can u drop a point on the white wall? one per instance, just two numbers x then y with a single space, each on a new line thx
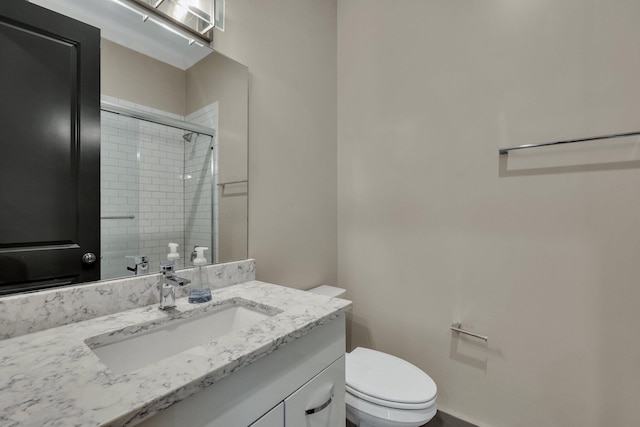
540 251
289 47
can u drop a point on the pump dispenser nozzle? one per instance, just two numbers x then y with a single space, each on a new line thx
201 292
173 252
200 259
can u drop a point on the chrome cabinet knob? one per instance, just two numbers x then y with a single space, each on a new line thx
89 258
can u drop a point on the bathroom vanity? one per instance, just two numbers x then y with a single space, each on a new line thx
277 390
258 354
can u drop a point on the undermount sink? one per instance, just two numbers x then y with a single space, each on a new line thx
138 349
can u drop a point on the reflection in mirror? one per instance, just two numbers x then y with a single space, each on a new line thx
162 183
157 187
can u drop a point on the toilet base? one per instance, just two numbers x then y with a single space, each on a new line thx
367 414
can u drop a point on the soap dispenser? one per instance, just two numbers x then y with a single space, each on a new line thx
200 290
173 254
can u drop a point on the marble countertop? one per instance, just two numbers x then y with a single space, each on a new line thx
52 377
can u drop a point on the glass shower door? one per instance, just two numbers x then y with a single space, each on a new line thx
157 188
199 194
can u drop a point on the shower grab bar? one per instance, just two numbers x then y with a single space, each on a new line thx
568 141
457 327
119 217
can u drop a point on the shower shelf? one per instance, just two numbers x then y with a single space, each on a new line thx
568 141
222 185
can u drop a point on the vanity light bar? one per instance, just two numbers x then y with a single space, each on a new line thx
209 27
165 22
131 8
200 15
175 31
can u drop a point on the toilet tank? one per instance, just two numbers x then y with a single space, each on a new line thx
330 291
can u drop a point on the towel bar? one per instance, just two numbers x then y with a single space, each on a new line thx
568 141
119 217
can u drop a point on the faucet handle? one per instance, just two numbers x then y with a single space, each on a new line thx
167 267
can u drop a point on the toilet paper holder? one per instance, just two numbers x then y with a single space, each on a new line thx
457 327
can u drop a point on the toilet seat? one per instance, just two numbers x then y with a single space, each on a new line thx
389 381
389 403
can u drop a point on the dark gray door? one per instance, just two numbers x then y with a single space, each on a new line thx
50 148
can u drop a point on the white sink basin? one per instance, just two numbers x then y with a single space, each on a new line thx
135 351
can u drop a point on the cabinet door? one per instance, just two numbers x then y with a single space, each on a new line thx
320 402
273 418
50 138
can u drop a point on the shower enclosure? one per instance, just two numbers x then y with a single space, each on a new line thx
158 181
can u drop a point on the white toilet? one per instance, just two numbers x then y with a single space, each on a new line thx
384 390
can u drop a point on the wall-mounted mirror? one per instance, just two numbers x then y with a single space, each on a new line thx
174 141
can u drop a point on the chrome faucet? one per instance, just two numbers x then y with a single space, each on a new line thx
141 264
167 285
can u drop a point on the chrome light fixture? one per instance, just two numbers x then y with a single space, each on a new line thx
196 17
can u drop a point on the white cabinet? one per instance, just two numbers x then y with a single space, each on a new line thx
320 402
296 377
273 418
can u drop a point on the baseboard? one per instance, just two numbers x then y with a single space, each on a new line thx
441 419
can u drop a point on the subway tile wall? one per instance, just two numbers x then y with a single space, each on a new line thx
149 172
119 188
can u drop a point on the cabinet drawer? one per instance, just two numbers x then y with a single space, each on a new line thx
320 402
273 418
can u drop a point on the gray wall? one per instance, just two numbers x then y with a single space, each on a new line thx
540 251
216 78
127 74
290 49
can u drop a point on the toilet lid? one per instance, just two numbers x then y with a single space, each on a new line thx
387 380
